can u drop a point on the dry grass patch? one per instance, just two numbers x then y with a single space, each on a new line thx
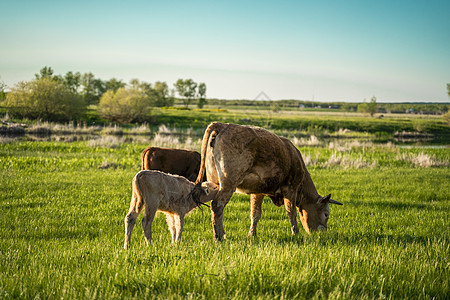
422 160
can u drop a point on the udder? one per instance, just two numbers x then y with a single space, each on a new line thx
254 183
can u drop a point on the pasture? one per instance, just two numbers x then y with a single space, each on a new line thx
62 229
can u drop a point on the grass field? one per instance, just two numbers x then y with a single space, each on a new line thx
322 123
61 230
311 122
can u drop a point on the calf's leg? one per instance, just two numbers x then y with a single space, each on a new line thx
179 222
147 221
130 221
171 224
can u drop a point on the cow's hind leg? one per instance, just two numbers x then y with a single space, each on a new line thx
130 221
256 211
217 207
147 221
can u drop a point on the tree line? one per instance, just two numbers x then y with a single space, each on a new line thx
52 97
365 107
66 97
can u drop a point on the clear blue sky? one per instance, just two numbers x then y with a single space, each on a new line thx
321 50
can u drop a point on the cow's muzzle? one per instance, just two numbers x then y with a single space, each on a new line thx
321 228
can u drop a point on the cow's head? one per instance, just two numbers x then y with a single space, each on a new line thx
314 216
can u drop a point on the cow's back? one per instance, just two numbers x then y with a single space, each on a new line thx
271 161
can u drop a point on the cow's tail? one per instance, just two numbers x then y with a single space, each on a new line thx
137 192
211 131
144 158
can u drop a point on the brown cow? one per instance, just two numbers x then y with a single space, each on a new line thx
185 163
172 194
254 161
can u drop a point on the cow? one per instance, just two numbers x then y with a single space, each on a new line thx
252 160
172 194
174 161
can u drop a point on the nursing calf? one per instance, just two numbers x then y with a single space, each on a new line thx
172 194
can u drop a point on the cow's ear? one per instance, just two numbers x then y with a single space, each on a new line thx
325 199
334 202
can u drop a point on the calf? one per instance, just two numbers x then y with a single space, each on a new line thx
172 194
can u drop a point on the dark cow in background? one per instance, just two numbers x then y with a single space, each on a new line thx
185 163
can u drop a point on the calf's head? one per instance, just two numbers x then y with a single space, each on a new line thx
209 191
314 216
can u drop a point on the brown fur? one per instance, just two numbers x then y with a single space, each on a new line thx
255 161
181 162
172 194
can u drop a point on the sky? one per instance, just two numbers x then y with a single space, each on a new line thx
396 50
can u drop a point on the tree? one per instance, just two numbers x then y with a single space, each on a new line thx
2 91
45 72
161 95
92 88
186 90
368 108
201 95
44 98
448 89
125 105
372 106
347 107
72 81
363 107
114 84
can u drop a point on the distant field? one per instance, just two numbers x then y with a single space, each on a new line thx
318 123
63 205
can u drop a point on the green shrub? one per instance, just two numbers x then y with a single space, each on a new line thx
125 105
46 99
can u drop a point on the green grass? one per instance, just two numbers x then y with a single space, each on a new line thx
61 233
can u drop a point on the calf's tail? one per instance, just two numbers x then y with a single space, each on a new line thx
212 130
137 193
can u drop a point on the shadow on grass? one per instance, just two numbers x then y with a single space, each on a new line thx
89 230
10 206
389 205
334 239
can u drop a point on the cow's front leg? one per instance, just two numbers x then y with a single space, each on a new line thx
256 211
289 204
